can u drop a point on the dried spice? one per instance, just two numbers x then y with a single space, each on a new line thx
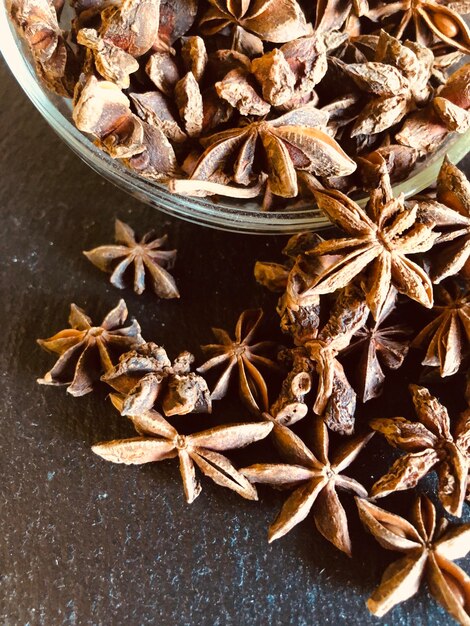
397 81
86 351
315 479
429 445
435 21
451 214
447 337
39 26
380 346
145 255
252 100
429 547
335 398
294 141
242 355
159 440
146 376
379 242
426 129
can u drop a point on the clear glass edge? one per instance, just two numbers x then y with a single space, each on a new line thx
219 216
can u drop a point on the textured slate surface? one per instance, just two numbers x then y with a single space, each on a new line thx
86 542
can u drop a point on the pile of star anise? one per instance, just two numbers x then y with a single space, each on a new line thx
268 98
342 304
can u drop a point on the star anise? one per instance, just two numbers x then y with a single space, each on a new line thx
159 440
146 256
318 348
332 14
448 336
451 213
38 22
379 242
282 146
86 351
426 129
429 445
396 81
271 20
379 345
433 21
315 479
243 355
429 549
146 376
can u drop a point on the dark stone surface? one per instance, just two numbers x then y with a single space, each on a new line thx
87 542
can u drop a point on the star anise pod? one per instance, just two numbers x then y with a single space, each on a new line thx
379 242
434 21
282 146
86 351
426 129
158 440
448 335
332 14
146 376
429 444
146 256
335 399
315 479
451 214
242 355
271 20
429 549
380 345
396 81
38 22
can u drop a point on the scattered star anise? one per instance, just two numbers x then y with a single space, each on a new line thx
429 549
86 351
433 20
146 256
243 355
146 376
159 440
379 242
379 346
315 479
448 336
429 445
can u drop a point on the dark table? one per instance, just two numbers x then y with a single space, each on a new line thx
88 542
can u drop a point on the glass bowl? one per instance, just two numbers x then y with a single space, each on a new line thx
231 215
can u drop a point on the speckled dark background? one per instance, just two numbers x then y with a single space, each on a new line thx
84 542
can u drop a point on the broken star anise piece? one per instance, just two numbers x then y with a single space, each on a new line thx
429 444
243 355
380 345
86 351
452 217
315 479
159 440
335 399
429 549
145 255
448 335
379 242
146 376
